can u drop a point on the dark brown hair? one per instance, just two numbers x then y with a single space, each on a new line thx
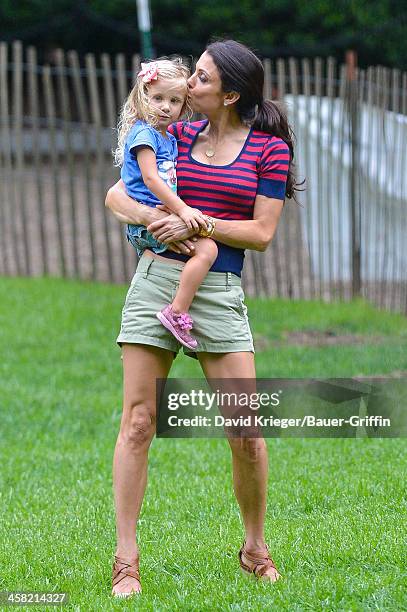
242 71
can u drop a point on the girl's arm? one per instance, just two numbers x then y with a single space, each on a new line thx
147 162
255 234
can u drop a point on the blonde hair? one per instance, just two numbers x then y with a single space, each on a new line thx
137 106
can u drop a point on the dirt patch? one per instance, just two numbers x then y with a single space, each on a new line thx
314 337
383 377
328 337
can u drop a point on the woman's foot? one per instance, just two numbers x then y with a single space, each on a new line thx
258 563
125 577
179 325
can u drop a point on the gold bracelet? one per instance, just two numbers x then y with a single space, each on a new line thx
211 229
211 224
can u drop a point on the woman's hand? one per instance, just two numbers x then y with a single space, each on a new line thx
182 247
170 229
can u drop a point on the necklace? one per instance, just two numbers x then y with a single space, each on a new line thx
210 150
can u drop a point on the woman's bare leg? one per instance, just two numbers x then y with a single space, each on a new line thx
249 455
142 365
193 273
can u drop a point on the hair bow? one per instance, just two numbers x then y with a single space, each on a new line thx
148 72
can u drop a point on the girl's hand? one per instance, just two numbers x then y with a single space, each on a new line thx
193 218
170 229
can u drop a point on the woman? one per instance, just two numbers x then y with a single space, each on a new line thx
236 168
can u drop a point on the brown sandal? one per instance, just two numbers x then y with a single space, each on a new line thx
260 564
121 569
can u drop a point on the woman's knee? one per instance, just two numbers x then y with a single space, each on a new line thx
248 449
138 425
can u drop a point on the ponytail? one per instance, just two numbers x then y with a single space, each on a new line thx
272 119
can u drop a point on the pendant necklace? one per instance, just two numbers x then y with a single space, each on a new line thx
210 150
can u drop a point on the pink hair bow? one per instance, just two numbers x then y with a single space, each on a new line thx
149 72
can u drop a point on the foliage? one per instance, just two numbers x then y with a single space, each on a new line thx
276 28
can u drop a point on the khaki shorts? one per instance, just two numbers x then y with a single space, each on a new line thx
218 311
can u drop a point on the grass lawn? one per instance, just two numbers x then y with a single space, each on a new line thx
336 511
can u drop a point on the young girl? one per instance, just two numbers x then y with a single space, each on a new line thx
147 154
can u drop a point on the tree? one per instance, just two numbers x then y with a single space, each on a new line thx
377 29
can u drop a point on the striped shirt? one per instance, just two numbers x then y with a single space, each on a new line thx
229 192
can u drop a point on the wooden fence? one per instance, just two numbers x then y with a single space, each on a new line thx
346 238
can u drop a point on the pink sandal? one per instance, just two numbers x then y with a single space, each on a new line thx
179 325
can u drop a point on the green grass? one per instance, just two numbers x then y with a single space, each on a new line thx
336 508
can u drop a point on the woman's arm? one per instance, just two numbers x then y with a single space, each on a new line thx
255 234
127 210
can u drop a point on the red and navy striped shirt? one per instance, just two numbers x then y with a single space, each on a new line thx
229 192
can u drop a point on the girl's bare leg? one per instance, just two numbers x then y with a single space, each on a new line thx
142 365
193 273
249 455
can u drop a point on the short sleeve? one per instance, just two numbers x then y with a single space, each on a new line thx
174 147
144 135
176 129
273 169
